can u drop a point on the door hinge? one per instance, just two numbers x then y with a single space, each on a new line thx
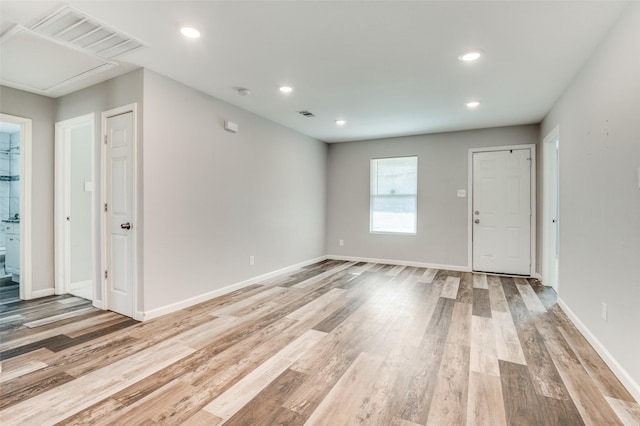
105 207
106 274
105 138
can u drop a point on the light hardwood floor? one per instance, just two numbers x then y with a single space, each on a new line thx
335 343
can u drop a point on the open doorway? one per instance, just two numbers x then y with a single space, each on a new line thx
15 202
550 223
74 207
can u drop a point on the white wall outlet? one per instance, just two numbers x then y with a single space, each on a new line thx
462 193
341 243
252 260
88 186
604 311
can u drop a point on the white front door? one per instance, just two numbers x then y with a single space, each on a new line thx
119 186
502 211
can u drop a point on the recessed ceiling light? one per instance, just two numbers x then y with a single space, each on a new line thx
473 104
190 32
341 122
470 56
286 89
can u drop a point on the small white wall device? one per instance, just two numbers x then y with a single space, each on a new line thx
230 126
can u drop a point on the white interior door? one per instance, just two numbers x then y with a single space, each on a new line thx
550 247
119 274
502 211
74 206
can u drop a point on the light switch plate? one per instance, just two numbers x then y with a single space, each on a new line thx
462 193
230 126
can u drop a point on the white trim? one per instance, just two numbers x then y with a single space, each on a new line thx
133 108
26 171
62 201
167 309
533 196
553 136
400 263
79 284
98 304
41 293
632 386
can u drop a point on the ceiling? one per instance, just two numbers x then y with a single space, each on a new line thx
389 68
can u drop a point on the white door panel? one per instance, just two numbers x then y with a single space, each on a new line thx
120 215
502 211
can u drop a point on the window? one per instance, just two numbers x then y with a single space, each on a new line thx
394 189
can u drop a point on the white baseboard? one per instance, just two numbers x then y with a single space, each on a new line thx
80 284
35 294
632 386
538 277
401 262
98 304
154 313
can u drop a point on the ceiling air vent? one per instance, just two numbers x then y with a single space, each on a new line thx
306 113
79 30
25 54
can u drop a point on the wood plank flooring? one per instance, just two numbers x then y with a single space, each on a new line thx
334 343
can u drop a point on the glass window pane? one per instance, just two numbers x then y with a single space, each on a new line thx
394 184
393 214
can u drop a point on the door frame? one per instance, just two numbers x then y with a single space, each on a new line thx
552 138
26 291
532 147
62 202
133 108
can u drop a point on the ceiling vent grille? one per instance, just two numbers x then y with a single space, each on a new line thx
306 113
79 30
25 54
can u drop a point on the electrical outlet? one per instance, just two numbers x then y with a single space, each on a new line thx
341 243
604 311
462 193
252 260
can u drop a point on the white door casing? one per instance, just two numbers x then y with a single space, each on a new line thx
119 247
502 210
74 203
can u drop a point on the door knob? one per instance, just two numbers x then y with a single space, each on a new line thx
125 225
476 221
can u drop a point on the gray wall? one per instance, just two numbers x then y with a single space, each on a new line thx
598 116
40 110
442 216
120 91
213 198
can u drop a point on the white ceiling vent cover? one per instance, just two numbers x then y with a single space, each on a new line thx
73 27
25 54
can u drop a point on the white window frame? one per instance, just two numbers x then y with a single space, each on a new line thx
372 197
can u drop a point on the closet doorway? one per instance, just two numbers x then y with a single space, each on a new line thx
74 207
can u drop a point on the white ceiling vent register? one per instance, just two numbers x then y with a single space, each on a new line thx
69 45
75 28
